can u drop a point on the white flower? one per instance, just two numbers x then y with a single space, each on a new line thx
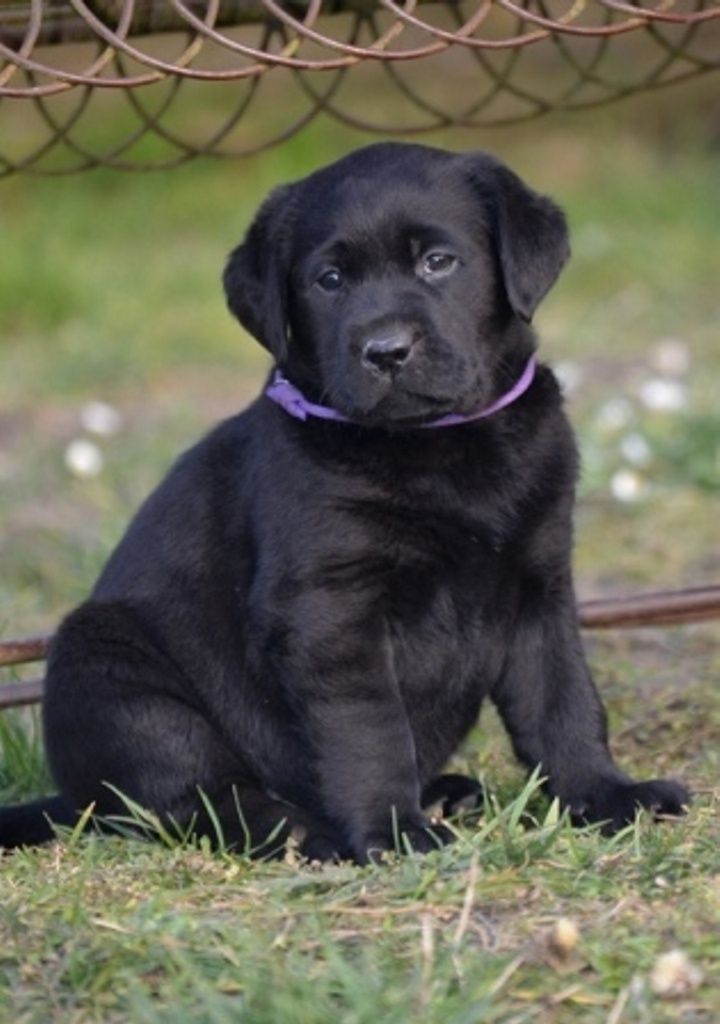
628 486
569 374
614 414
636 450
672 357
663 395
100 418
83 459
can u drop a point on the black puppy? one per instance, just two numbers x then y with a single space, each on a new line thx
302 621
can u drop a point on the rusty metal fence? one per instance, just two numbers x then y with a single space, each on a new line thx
469 63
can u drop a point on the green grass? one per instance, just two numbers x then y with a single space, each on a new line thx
102 929
109 289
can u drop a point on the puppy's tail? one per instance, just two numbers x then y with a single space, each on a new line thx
31 824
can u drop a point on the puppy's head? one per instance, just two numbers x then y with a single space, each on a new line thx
398 283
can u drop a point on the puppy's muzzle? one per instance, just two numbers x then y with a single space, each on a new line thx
385 351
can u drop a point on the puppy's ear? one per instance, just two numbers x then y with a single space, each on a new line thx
530 232
256 272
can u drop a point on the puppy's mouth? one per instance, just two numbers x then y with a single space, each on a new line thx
404 407
421 409
426 387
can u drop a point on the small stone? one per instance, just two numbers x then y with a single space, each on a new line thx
564 937
674 975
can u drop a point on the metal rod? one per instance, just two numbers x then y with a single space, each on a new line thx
62 24
17 652
664 608
15 695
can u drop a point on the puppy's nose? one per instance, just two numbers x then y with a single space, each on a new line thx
387 351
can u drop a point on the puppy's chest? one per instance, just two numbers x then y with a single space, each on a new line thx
448 604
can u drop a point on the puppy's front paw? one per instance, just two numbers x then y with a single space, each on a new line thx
415 837
450 795
323 848
616 803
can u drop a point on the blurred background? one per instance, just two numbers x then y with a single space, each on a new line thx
117 351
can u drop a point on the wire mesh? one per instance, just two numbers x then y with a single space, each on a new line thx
134 84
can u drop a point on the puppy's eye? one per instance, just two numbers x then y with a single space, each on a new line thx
330 280
438 264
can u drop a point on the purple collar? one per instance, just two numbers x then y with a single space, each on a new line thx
288 397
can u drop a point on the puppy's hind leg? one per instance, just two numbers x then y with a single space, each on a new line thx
121 720
33 823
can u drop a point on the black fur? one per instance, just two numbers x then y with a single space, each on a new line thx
303 620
